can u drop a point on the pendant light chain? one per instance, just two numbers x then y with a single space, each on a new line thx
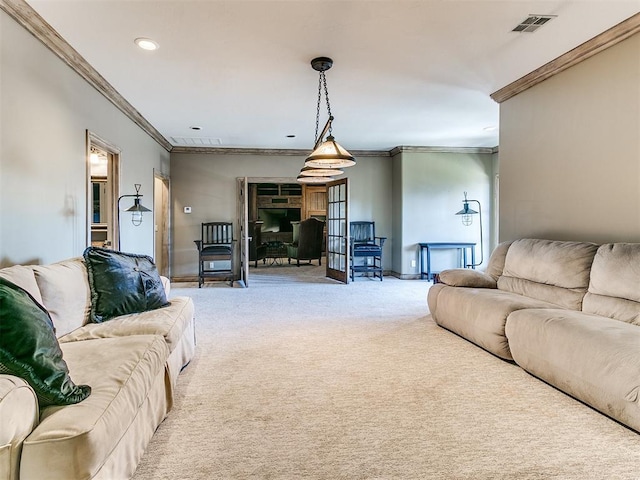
322 82
315 139
326 96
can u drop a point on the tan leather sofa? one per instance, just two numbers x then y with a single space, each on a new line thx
131 362
566 312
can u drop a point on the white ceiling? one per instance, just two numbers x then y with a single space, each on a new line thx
405 73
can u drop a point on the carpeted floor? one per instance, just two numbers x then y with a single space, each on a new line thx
298 377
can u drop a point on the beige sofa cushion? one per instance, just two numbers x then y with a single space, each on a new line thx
480 314
23 277
592 358
547 270
495 266
169 322
128 380
462 277
65 293
19 414
614 287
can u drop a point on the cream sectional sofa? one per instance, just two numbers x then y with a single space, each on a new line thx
566 312
131 363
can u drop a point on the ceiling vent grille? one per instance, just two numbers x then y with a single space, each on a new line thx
533 23
196 141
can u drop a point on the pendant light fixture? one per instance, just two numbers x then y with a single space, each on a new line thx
327 156
320 172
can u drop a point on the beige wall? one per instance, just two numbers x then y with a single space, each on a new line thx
207 184
570 152
430 188
45 110
412 198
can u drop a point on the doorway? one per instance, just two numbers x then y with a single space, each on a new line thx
103 187
275 204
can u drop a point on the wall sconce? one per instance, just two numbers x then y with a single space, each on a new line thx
136 209
467 219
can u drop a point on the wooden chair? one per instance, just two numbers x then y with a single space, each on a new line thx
307 241
215 246
365 249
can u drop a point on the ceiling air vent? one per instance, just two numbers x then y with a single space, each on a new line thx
196 141
532 23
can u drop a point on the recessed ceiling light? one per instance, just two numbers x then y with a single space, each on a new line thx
146 43
291 136
195 127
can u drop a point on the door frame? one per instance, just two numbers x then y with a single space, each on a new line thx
242 216
243 224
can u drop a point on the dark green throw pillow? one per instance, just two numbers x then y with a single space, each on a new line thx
122 283
29 348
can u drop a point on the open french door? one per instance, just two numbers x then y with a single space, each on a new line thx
338 230
243 224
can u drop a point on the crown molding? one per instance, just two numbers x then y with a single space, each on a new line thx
409 149
606 39
26 16
265 152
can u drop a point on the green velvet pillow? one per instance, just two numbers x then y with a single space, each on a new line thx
122 283
29 348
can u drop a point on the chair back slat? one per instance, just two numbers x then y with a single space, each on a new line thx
362 231
217 233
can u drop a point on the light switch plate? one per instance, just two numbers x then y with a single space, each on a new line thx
187 209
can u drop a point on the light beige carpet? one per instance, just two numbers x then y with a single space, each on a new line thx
299 377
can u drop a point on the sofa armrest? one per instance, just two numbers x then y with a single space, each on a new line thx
166 283
18 416
463 277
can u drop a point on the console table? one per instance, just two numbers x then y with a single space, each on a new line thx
462 247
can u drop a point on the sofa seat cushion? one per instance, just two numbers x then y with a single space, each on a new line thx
170 322
552 271
65 293
124 374
480 314
592 358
